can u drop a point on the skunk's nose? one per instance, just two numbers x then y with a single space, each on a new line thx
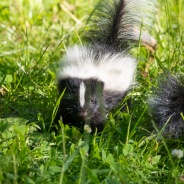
83 114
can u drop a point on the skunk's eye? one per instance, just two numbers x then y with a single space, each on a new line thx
93 100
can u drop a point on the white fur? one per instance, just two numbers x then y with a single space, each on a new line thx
139 14
116 71
82 90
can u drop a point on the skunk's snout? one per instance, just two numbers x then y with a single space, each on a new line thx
83 114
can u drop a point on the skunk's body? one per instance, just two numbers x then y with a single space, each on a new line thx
98 75
168 105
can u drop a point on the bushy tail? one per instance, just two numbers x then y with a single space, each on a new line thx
119 23
168 105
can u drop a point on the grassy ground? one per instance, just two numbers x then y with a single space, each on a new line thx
33 36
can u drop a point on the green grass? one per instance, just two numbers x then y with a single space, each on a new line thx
34 35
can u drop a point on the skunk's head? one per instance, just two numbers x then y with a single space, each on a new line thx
95 81
82 103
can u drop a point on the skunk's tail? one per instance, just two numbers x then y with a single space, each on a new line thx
121 23
168 105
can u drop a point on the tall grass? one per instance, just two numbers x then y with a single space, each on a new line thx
34 35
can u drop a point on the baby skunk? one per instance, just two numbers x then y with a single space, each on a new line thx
168 105
98 75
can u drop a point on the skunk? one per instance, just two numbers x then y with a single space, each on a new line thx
167 105
97 76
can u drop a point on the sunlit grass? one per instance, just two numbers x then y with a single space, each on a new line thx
34 35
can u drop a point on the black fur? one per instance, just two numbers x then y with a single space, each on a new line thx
167 105
97 103
70 109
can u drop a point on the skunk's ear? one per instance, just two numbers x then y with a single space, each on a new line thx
67 84
61 85
71 85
